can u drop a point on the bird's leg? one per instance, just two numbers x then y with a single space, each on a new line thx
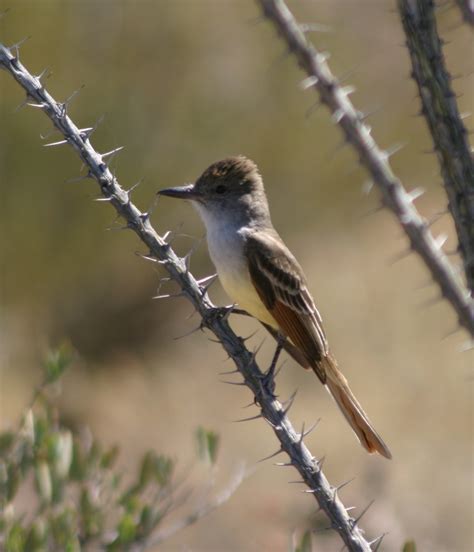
269 377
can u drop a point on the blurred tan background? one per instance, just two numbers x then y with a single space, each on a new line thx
182 84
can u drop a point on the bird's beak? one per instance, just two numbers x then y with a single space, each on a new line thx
182 192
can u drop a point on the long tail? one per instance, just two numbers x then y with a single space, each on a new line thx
338 387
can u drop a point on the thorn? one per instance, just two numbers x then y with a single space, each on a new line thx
451 333
49 133
377 542
85 132
415 194
431 302
44 72
315 27
149 257
206 283
308 82
231 382
467 346
320 462
342 485
22 105
248 419
312 428
400 256
312 109
364 115
348 90
119 228
284 465
322 57
60 143
111 153
441 240
373 211
279 451
187 258
256 20
169 295
187 334
355 521
337 115
367 186
16 47
228 372
72 96
144 217
38 105
301 437
98 199
297 481
129 195
437 216
394 149
244 339
289 402
80 179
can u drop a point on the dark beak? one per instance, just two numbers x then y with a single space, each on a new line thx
181 192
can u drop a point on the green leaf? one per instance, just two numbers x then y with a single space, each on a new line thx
409 546
13 482
6 441
305 544
56 362
208 445
43 481
109 457
36 539
155 467
16 539
127 529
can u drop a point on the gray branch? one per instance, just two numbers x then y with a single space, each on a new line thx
213 318
440 110
375 160
467 10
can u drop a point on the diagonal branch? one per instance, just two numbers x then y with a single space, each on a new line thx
467 10
441 112
357 133
213 318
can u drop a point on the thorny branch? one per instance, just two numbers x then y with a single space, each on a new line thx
375 160
467 10
213 318
441 112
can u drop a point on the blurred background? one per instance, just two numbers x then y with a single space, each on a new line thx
182 84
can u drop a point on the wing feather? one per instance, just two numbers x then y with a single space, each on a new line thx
281 285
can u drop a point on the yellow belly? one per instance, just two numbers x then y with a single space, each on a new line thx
241 290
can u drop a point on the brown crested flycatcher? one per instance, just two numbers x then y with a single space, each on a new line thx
261 275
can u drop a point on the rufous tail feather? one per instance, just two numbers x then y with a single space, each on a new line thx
339 389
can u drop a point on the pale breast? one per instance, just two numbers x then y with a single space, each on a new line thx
226 248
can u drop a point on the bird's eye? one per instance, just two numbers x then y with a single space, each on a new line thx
220 189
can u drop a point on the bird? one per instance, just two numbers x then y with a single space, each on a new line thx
262 276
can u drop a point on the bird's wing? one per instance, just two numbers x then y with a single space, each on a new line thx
281 285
